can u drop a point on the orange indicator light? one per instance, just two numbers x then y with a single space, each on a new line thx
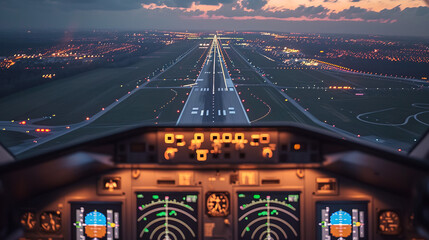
297 146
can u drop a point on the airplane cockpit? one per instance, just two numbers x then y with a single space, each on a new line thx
259 182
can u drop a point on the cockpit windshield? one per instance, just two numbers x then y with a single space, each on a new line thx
74 70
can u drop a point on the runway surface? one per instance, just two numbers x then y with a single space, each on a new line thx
213 99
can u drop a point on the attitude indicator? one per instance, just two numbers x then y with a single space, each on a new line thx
96 220
342 220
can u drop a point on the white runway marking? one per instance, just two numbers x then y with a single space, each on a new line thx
194 112
231 112
195 108
202 112
218 112
224 112
207 112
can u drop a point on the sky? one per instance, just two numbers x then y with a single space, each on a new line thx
383 17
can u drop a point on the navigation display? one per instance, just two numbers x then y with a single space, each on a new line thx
96 220
167 215
345 220
268 215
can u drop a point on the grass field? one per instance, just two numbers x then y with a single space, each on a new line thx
265 104
170 83
240 72
387 109
187 68
11 138
72 99
137 110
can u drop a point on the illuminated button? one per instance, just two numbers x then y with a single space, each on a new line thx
265 138
170 153
267 152
112 183
202 154
227 137
199 137
169 138
180 139
255 140
239 136
217 145
214 136
299 147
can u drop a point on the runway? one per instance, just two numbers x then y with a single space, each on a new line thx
214 99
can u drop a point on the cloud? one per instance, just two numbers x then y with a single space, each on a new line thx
385 15
185 3
254 4
118 5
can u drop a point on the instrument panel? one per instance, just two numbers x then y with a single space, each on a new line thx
218 146
217 204
218 184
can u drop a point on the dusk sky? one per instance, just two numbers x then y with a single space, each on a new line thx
387 17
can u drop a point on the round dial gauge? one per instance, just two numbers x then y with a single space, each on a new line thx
50 221
217 204
28 221
389 222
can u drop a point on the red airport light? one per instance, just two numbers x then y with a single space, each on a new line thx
43 130
87 118
23 122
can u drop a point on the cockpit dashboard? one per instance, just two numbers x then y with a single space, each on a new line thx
215 184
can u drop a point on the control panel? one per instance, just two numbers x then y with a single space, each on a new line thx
217 204
219 146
